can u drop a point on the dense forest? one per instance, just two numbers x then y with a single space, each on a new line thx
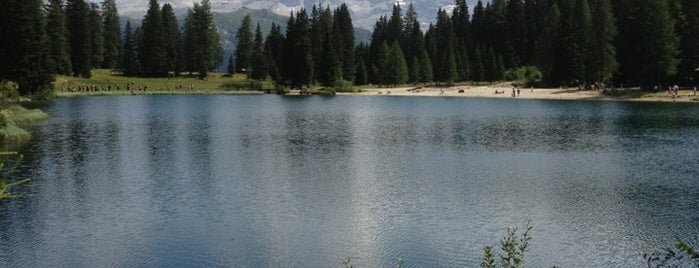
569 42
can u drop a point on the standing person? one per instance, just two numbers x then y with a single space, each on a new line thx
518 90
695 90
513 92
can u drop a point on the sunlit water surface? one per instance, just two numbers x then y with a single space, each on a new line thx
270 181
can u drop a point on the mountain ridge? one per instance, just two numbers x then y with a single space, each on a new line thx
364 12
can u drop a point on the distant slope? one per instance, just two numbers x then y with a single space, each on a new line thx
364 12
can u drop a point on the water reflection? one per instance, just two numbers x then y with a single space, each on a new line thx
305 182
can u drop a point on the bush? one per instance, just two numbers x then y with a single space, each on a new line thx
7 92
527 75
243 85
343 86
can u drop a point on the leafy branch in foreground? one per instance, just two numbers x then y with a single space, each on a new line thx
4 186
512 247
683 255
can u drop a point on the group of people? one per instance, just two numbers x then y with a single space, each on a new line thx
515 91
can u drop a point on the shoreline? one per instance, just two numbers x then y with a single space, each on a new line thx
684 96
629 95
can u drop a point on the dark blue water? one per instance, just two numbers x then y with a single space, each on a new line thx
270 181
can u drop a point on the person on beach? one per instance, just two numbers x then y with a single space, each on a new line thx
695 90
518 90
513 92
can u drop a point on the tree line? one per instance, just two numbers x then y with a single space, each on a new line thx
632 42
44 38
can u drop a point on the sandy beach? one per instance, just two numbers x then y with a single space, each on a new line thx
503 91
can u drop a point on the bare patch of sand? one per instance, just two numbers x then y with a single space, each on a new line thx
503 91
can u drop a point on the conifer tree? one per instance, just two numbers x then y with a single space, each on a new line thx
427 73
24 53
548 52
59 51
397 68
96 35
380 65
202 44
689 41
462 34
151 49
297 57
231 65
647 43
343 32
477 68
244 48
361 74
273 51
171 38
602 62
259 61
77 13
394 31
516 33
129 63
112 36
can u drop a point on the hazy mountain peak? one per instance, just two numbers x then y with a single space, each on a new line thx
364 12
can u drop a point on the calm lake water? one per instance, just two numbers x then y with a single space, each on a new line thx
271 181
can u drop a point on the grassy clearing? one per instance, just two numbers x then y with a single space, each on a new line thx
106 82
11 120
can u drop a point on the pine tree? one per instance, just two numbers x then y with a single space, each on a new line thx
397 68
602 57
96 35
462 34
361 74
297 57
380 65
329 70
378 38
77 13
112 36
171 37
244 48
231 65
548 48
59 51
259 61
427 73
273 50
477 68
24 55
151 50
689 41
320 30
516 33
647 45
343 32
129 63
394 31
202 44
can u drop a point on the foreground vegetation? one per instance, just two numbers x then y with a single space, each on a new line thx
13 118
5 185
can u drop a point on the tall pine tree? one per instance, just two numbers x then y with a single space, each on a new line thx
112 36
78 14
151 49
59 51
244 47
96 35
343 32
171 38
259 61
24 54
129 60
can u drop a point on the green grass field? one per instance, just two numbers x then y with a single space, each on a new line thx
107 82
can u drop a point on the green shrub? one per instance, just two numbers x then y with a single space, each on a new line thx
343 86
243 85
7 92
4 185
526 76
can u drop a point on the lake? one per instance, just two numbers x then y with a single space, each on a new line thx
273 181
